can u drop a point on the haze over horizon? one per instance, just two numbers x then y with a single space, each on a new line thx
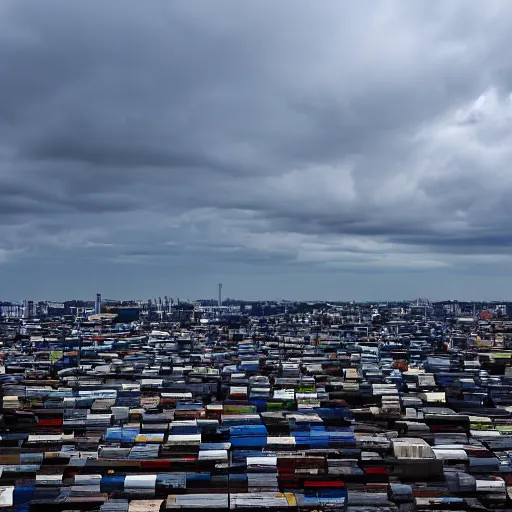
340 150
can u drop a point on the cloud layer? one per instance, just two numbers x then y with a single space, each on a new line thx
289 149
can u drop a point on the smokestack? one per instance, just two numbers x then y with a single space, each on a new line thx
220 295
97 305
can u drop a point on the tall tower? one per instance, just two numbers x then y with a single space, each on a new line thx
220 295
97 305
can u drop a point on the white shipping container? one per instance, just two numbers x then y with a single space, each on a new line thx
140 482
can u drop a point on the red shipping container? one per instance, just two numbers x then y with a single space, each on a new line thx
49 422
337 484
156 464
376 471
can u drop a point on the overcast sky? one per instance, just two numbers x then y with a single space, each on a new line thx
288 149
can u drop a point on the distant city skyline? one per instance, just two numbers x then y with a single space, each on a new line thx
184 299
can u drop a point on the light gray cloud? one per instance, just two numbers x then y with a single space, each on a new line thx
173 145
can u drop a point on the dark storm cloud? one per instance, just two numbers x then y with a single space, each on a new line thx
254 138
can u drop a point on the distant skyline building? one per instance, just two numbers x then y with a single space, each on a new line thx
28 309
220 295
97 305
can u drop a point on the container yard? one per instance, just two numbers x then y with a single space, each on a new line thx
276 414
216 219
